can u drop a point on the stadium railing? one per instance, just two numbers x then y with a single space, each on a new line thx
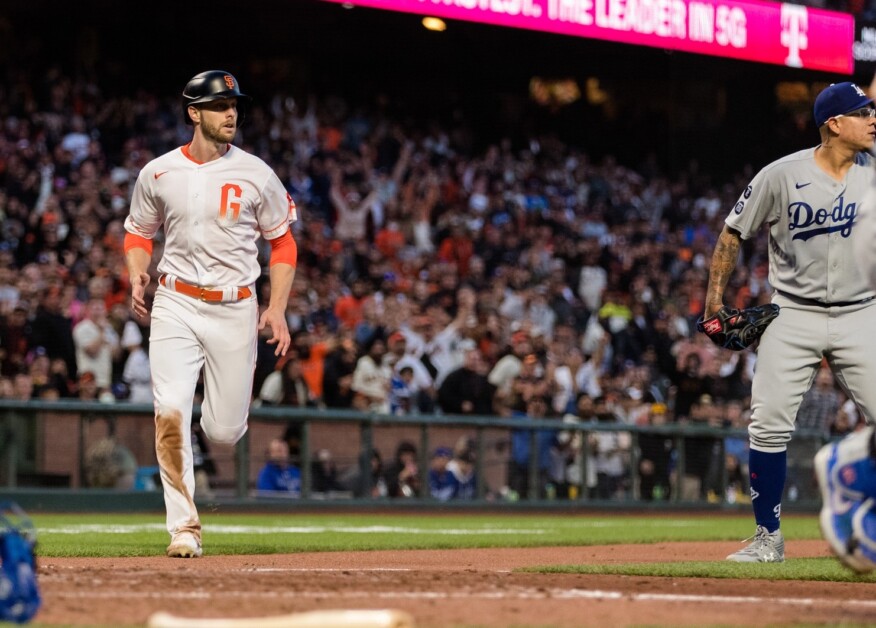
29 465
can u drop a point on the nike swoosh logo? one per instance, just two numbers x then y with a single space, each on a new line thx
796 185
158 174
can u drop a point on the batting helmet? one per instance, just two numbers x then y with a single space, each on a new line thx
213 85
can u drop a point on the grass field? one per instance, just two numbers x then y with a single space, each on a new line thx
144 535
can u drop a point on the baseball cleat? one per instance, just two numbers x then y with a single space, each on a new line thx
846 524
767 547
184 545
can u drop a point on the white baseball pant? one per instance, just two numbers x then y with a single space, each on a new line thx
186 335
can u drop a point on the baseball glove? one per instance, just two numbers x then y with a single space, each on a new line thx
738 329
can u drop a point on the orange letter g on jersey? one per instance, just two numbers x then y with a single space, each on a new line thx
229 209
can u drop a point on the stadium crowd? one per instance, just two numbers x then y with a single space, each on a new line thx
434 275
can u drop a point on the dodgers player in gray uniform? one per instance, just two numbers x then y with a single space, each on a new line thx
846 470
809 201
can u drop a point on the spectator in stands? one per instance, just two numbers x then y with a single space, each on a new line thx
505 371
39 371
403 476
610 450
466 389
348 307
462 467
324 473
286 385
7 389
689 385
442 483
536 407
97 343
402 392
53 329
530 382
574 375
371 484
61 380
418 383
371 380
22 387
136 373
87 388
109 464
311 347
277 476
655 457
443 341
704 454
340 364
14 339
353 199
457 248
372 324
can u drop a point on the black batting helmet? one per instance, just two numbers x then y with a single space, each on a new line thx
213 85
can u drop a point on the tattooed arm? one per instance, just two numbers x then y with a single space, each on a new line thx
723 264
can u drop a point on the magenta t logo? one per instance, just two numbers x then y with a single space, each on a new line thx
795 24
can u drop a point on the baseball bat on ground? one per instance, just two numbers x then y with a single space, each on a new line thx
313 619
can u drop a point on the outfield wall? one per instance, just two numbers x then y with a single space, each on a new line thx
44 445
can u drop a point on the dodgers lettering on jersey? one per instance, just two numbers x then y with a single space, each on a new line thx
213 214
812 219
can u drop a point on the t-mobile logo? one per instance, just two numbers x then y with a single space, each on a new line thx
795 23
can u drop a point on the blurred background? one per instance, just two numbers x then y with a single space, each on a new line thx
516 224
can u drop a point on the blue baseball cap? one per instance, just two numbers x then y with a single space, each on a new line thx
839 98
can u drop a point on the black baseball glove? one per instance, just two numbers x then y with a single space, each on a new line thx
738 329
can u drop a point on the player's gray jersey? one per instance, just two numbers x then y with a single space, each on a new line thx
811 219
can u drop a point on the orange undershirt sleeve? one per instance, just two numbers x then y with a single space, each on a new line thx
284 250
133 241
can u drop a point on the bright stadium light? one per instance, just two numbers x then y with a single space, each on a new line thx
434 24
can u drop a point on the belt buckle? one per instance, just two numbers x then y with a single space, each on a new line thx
202 295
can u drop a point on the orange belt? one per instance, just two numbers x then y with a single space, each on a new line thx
204 294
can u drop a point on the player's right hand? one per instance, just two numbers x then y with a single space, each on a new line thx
138 294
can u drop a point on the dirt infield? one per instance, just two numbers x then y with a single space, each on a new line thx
445 588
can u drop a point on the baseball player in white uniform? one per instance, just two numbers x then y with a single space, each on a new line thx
846 470
214 201
809 201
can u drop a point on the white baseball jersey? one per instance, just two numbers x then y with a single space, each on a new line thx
213 214
812 220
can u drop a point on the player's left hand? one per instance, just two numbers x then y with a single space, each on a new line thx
276 320
738 329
